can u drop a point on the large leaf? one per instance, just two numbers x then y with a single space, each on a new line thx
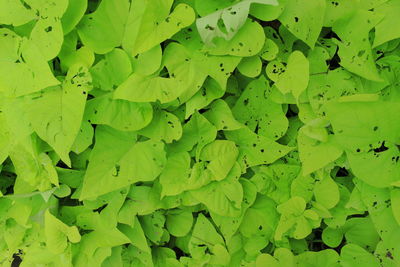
124 166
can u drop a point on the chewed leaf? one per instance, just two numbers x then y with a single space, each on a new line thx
164 126
207 93
354 48
270 50
304 20
50 8
148 62
260 218
384 158
225 23
221 116
256 110
84 138
189 133
255 149
352 254
363 126
113 70
247 42
204 233
48 37
15 13
56 113
365 129
29 72
193 68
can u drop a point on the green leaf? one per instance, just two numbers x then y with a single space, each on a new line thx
383 30
260 219
230 225
179 222
164 126
352 255
203 233
222 197
366 130
247 42
47 33
255 149
362 232
332 237
29 73
354 48
174 177
220 157
110 171
315 154
119 114
395 200
194 67
256 110
56 113
136 89
295 78
111 71
221 116
326 257
266 260
250 66
226 23
304 20
70 55
154 24
109 21
74 13
15 13
57 233
198 130
326 192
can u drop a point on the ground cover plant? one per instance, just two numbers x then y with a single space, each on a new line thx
199 133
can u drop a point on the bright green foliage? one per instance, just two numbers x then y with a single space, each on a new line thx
295 78
190 133
304 19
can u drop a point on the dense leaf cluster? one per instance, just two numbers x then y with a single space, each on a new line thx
200 133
